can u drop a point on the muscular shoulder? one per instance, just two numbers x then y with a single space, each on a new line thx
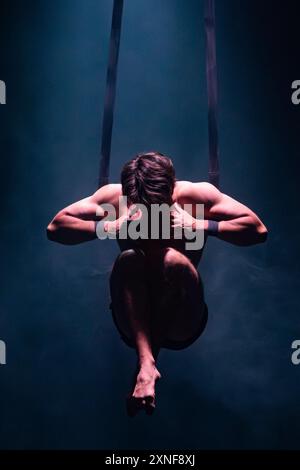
203 192
108 194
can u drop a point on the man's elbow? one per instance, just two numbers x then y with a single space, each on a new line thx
262 233
255 235
58 231
52 232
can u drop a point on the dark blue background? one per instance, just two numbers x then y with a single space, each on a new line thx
67 372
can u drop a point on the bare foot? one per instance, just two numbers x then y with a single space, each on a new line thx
143 395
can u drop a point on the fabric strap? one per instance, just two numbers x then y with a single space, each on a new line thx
212 91
111 81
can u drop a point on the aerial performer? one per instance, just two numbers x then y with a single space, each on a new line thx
156 290
157 296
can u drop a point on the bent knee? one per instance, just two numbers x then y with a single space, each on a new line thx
130 262
177 266
174 259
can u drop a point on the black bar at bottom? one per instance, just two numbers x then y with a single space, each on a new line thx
185 459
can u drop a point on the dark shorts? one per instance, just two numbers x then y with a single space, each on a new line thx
174 345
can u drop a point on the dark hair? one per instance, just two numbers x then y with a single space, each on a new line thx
149 178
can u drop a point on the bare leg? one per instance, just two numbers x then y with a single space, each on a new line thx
179 312
130 296
175 317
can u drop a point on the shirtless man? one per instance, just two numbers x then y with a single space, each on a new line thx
156 291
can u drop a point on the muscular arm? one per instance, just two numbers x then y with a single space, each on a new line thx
237 223
76 223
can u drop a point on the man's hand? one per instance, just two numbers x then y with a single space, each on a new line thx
182 219
114 226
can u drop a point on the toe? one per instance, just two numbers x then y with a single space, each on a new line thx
150 405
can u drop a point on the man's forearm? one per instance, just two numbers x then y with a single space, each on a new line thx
243 231
70 230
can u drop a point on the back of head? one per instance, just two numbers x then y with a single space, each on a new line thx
149 178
